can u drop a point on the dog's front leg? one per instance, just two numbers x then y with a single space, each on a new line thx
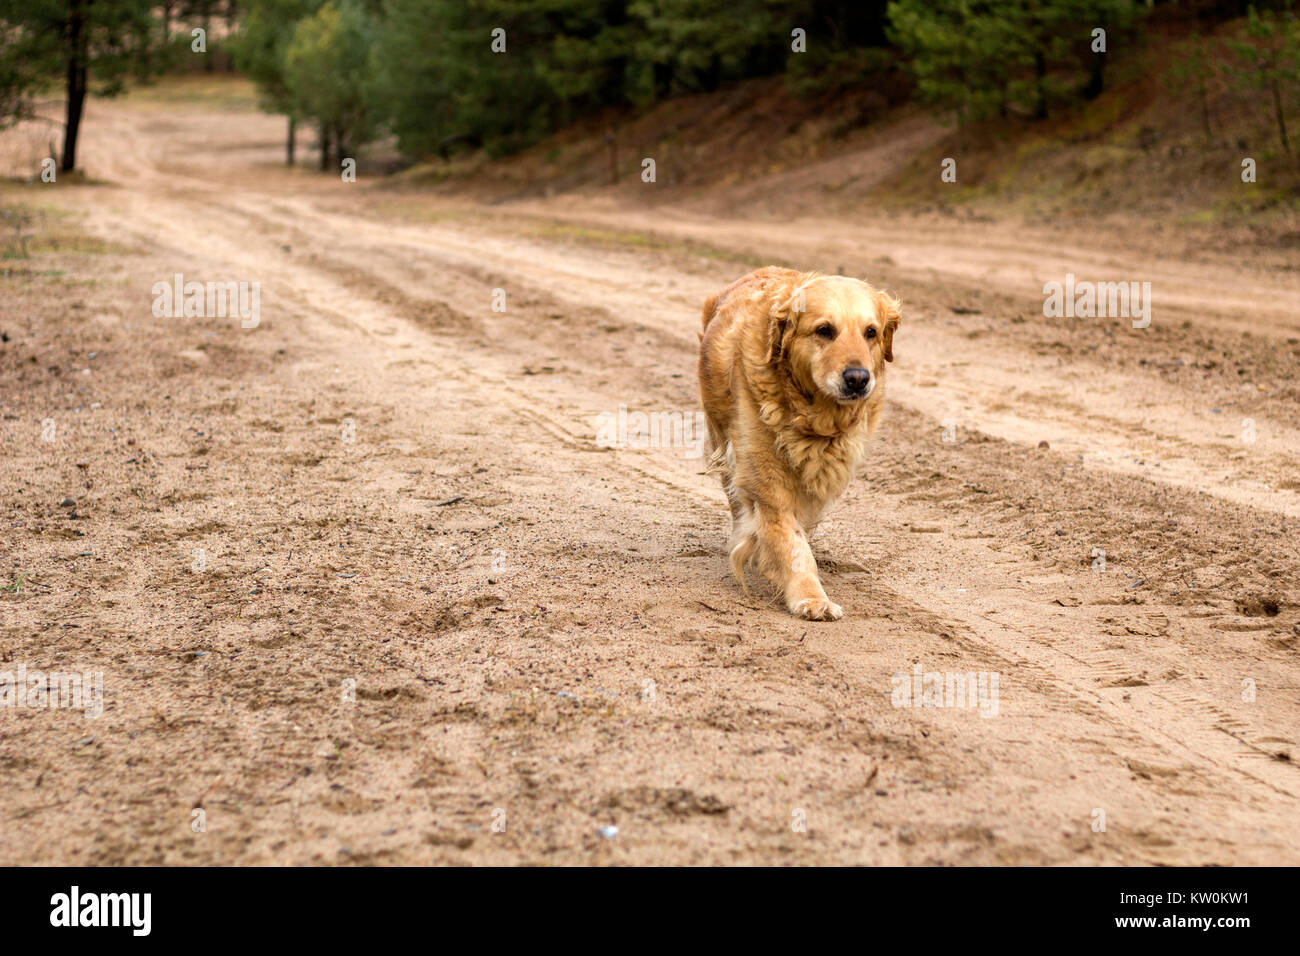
785 558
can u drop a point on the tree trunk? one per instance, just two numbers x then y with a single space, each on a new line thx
340 148
616 86
961 107
76 82
324 149
232 18
1097 78
663 80
1097 71
288 142
1205 113
1281 115
712 78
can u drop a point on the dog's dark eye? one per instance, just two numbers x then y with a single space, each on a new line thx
826 331
871 331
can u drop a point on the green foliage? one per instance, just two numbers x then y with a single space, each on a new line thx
427 70
957 54
1195 61
327 73
695 45
20 77
1268 60
91 47
38 38
261 45
846 47
984 57
438 78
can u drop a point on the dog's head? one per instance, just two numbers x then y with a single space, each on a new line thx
833 336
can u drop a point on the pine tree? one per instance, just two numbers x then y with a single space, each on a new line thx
1192 66
94 46
260 47
1268 59
327 70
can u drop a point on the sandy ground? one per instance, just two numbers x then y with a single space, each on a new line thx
365 587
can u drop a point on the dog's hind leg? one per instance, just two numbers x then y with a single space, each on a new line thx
722 462
744 538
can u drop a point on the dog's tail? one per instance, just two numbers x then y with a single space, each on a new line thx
710 310
717 463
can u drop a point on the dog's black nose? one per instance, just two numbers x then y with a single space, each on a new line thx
856 380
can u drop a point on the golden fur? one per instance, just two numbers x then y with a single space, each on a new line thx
782 356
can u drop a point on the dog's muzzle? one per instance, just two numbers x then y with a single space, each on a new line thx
855 383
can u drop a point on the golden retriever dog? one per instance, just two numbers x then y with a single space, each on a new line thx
792 368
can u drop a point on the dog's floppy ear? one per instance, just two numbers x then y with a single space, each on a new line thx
889 313
787 301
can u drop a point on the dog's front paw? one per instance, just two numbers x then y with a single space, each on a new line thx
817 609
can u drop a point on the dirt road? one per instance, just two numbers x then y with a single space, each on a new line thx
365 585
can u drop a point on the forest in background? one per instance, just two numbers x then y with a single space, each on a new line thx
499 75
